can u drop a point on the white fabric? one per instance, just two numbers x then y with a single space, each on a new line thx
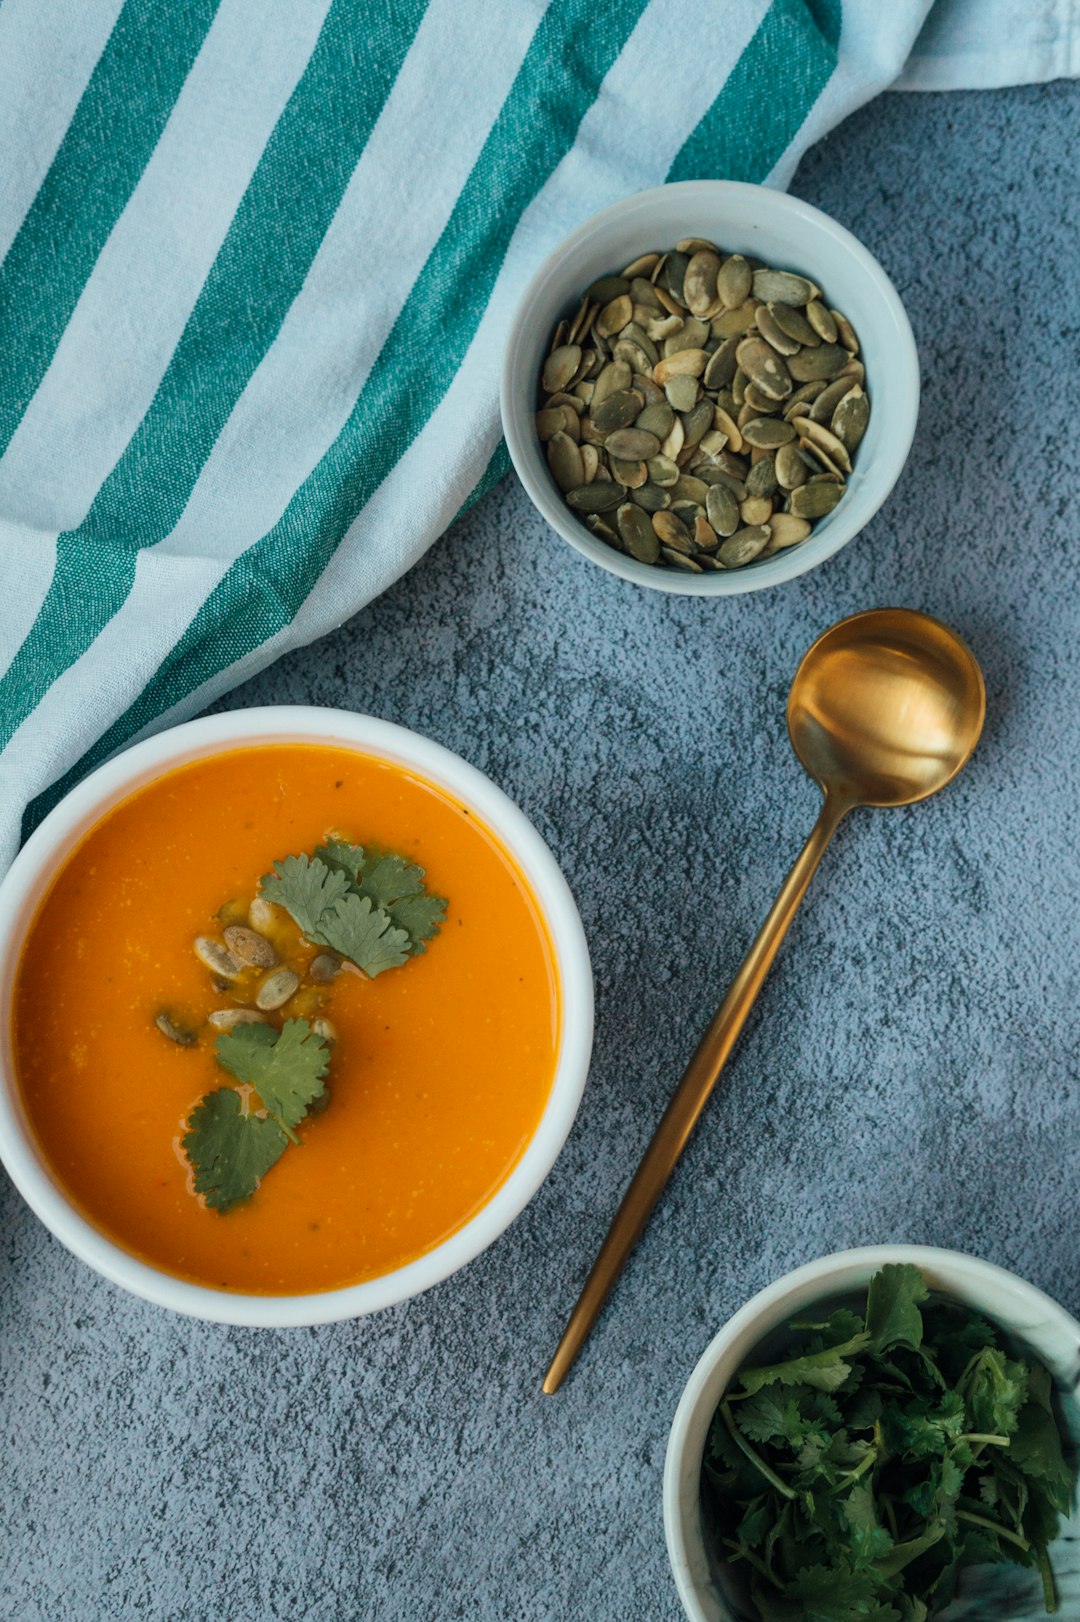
986 44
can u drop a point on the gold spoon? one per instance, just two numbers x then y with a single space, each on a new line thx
885 709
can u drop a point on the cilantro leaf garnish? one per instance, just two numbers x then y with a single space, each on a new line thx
230 1147
858 1477
371 908
393 884
285 1068
236 1134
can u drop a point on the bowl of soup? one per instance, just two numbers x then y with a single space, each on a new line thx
297 1016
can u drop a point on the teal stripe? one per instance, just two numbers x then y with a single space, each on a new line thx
263 590
118 734
108 143
749 126
257 274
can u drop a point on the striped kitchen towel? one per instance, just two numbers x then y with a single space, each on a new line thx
257 258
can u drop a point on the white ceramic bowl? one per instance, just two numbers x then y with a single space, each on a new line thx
29 877
1016 1306
787 234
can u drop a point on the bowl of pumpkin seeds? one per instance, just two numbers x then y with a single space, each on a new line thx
710 388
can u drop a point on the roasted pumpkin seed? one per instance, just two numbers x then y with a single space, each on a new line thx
275 991
175 1030
638 535
217 958
250 947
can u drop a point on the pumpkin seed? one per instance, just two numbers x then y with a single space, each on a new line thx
632 444
824 361
174 1030
217 958
326 1029
697 422
790 467
250 947
276 989
756 510
773 333
699 283
684 363
722 509
262 914
821 321
227 1019
734 323
845 332
663 471
656 419
598 497
814 500
324 968
618 410
786 530
733 282
825 403
682 393
638 535
681 402
613 379
819 435
764 367
607 288
692 334
614 316
851 417
761 480
561 367
743 546
651 497
565 462
677 560
672 532
767 433
781 287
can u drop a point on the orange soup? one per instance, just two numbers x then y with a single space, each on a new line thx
439 1071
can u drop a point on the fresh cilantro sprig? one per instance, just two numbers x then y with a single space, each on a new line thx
370 907
858 1477
235 1134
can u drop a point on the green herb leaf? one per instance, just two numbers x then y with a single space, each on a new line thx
307 889
230 1148
825 1370
892 1307
285 1068
393 884
364 934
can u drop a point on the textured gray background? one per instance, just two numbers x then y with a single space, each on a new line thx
911 1072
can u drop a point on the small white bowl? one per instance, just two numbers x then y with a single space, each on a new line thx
29 878
1016 1306
787 234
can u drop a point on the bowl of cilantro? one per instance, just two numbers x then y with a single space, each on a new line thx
889 1434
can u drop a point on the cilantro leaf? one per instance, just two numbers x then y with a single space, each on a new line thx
869 1539
392 883
995 1390
825 1370
364 934
1036 1448
307 889
230 1148
286 1067
892 1307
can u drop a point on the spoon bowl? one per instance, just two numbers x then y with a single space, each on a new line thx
886 707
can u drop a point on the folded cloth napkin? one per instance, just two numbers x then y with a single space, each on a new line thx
257 260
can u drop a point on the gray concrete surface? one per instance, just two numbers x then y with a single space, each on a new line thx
911 1072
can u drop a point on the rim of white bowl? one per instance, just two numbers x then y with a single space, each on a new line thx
977 1283
841 526
34 868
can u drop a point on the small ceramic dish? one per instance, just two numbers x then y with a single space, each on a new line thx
785 233
30 876
705 1585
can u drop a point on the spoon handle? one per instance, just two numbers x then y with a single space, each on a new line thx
691 1096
